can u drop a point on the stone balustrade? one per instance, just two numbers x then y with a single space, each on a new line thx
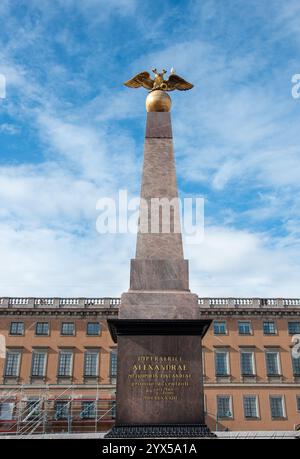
27 302
109 302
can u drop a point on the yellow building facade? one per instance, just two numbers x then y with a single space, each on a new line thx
58 364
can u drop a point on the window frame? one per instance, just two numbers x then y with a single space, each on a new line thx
257 416
7 409
298 403
93 323
218 396
65 403
93 352
244 322
226 352
220 322
293 322
246 351
67 334
295 373
87 414
275 328
273 396
270 351
113 364
42 334
36 352
36 408
61 352
19 354
14 322
113 409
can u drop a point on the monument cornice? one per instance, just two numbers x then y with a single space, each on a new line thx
249 312
59 312
154 327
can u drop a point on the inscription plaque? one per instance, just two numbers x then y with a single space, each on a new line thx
159 377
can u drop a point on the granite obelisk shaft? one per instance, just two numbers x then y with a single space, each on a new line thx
159 182
159 275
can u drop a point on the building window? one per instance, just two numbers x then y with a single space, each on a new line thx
221 363
93 329
65 363
296 366
12 366
220 328
91 360
62 409
203 362
293 328
224 409
17 328
113 365
298 403
113 409
88 409
68 328
272 363
250 406
6 411
38 366
42 328
247 363
32 410
277 407
269 328
245 328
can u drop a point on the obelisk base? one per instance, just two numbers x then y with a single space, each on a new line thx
161 431
159 304
159 378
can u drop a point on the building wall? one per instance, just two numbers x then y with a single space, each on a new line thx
54 343
287 385
264 420
234 385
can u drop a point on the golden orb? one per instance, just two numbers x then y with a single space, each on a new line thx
158 101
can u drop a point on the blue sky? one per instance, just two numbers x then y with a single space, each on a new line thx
71 133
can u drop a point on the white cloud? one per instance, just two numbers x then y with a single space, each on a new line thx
8 128
44 262
286 21
240 263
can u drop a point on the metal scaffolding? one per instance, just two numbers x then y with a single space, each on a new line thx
25 411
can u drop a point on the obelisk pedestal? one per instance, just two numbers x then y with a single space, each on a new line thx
159 329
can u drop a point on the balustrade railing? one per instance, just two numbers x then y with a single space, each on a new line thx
114 302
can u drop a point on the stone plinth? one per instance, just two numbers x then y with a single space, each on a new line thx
159 375
159 305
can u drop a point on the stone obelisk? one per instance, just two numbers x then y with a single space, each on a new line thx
159 328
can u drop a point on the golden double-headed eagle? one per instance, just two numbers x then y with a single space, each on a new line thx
174 81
